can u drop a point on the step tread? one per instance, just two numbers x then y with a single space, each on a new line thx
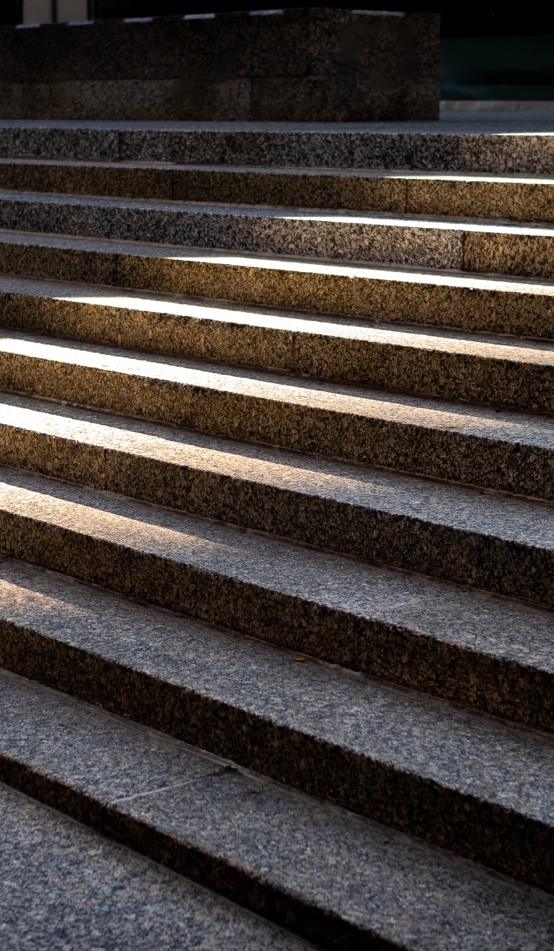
391 220
337 709
412 274
66 886
336 864
506 517
277 170
406 274
408 336
444 531
513 630
470 244
456 441
521 198
386 711
484 143
472 420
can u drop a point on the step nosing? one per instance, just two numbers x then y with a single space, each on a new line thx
65 878
425 738
318 264
243 382
351 847
396 494
227 209
379 594
472 344
292 170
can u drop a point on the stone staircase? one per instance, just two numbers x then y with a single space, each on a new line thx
277 533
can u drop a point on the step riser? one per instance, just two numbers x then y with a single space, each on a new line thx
478 831
529 255
377 646
208 870
197 560
463 557
60 859
477 199
446 902
314 238
392 366
440 452
470 308
526 154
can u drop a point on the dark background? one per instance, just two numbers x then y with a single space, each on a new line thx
487 53
457 20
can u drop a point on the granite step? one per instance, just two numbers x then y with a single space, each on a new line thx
499 543
66 886
487 303
455 441
333 877
438 363
451 146
511 197
474 245
459 643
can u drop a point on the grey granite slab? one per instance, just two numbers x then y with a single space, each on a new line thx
517 142
520 249
405 760
442 298
499 543
64 886
488 369
426 193
455 441
339 879
486 652
235 227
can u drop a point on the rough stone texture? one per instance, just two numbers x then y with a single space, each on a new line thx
455 441
358 885
261 551
478 196
410 295
500 544
457 643
299 65
453 365
525 250
507 198
354 741
514 143
346 235
64 886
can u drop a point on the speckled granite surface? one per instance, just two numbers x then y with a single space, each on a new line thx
369 686
490 303
464 366
499 543
457 441
403 759
64 886
478 196
338 876
506 143
424 634
522 249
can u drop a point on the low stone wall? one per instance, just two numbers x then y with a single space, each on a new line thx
296 65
